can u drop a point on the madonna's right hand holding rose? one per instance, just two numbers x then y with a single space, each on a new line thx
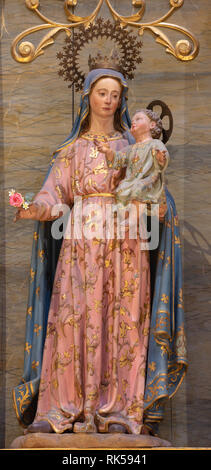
30 213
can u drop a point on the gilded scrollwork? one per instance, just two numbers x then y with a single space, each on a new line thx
186 49
183 50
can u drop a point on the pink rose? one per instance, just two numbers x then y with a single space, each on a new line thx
16 200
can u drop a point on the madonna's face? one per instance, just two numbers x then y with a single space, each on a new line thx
105 97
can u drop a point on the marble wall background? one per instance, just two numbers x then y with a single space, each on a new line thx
36 110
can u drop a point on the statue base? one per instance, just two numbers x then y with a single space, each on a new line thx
96 441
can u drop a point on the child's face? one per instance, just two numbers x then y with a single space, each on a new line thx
141 125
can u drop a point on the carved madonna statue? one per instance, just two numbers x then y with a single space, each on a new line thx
111 347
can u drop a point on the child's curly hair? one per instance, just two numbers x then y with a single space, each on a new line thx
153 116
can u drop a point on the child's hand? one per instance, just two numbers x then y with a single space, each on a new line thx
105 148
102 146
161 157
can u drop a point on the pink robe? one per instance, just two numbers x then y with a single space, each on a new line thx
98 326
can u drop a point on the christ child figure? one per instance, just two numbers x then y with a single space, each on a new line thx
145 162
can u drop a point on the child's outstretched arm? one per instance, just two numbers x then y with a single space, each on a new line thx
115 159
104 148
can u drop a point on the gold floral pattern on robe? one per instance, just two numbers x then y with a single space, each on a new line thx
98 326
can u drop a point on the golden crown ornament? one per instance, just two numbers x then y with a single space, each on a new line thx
124 57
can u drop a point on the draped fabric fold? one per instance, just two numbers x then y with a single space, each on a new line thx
167 354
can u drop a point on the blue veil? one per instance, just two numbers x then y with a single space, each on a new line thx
167 360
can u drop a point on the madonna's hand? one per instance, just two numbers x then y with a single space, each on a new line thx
30 213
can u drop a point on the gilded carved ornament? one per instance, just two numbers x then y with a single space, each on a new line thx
25 51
